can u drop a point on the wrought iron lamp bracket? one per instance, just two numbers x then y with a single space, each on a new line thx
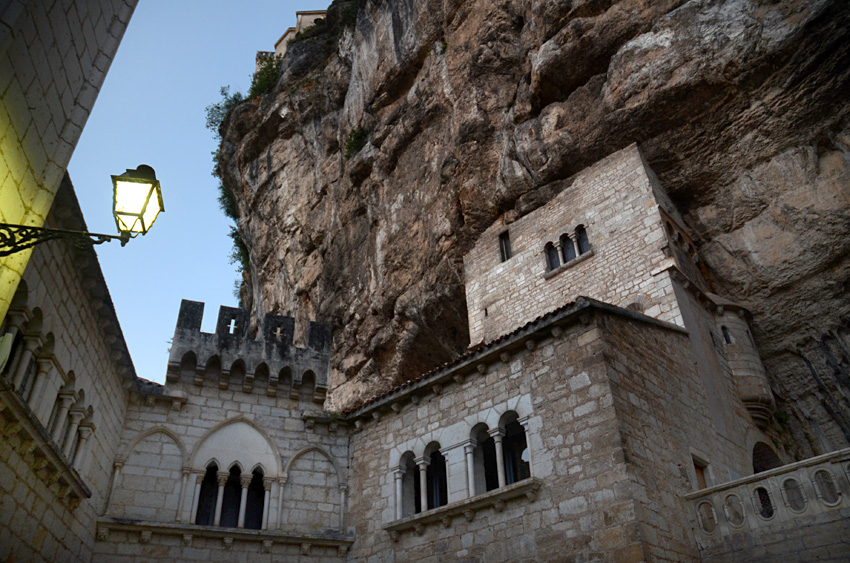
15 238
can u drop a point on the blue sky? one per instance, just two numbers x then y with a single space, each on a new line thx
174 57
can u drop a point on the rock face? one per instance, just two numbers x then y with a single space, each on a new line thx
472 109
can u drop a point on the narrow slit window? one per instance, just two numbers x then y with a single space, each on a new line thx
505 246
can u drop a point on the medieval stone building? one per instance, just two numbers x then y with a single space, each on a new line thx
610 407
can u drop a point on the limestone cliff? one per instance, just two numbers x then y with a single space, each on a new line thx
472 109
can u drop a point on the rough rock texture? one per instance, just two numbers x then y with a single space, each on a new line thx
478 108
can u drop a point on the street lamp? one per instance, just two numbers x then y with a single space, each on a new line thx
136 203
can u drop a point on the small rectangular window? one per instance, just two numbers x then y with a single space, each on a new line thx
700 469
505 246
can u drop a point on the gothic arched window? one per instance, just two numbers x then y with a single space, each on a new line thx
516 453
232 498
207 496
254 505
435 475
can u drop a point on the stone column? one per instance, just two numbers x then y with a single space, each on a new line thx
116 476
193 516
76 416
81 454
222 481
524 423
469 451
31 344
179 516
41 377
343 489
15 321
398 474
281 485
245 481
423 463
65 400
498 434
267 498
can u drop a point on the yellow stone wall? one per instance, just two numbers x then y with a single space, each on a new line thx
54 56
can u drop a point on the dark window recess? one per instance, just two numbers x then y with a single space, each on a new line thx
254 504
699 469
417 500
232 498
491 471
438 492
568 249
516 453
505 246
552 258
583 242
726 336
206 499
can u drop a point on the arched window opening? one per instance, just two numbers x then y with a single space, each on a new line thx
232 498
188 365
261 379
254 505
308 386
568 249
237 373
583 241
207 497
485 469
764 458
516 452
284 381
435 476
552 259
409 501
726 336
212 370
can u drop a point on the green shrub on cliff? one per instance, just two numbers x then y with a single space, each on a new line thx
265 79
355 141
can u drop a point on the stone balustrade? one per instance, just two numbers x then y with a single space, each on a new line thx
793 497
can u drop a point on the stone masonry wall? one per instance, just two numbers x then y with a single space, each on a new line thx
54 56
665 414
34 524
171 431
614 200
584 509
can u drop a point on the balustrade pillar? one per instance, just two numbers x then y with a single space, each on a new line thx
66 398
76 416
469 452
41 378
193 515
281 485
181 503
267 496
498 434
422 463
219 499
398 474
31 344
245 481
81 455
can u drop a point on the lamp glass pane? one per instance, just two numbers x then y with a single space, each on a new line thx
128 223
130 200
151 211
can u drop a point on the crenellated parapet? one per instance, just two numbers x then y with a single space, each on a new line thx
271 363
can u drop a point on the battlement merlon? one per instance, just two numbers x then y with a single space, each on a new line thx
231 342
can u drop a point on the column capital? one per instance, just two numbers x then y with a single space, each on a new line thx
76 415
245 480
199 478
66 398
469 446
85 431
267 483
222 478
497 434
186 470
398 473
422 462
118 464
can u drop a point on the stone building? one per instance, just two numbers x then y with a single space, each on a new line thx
610 408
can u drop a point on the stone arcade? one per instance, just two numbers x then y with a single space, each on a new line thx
609 408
